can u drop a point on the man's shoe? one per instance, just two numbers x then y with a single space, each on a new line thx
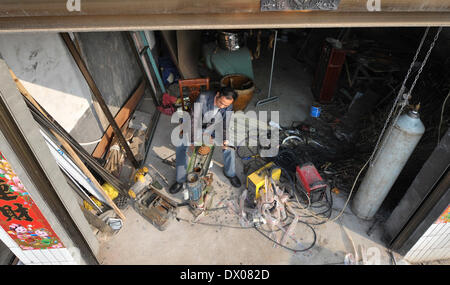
175 188
235 181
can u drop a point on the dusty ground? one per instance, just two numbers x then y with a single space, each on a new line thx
183 243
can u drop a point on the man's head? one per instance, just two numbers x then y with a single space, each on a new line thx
225 97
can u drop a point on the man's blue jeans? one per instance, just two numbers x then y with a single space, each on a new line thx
182 162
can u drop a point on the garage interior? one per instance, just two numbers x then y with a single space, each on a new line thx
334 89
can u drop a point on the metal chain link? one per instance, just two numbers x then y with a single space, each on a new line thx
406 96
425 60
400 93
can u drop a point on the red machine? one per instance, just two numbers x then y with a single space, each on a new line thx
311 181
328 70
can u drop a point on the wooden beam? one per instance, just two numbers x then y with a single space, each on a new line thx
314 19
90 81
26 8
121 117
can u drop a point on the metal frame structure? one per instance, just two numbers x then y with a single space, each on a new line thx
426 198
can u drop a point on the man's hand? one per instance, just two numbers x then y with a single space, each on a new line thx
225 144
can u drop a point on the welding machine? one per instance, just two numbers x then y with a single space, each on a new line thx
311 181
256 180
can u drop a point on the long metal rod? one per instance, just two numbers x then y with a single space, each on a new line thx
79 190
155 120
131 36
152 61
156 93
90 81
270 99
64 161
76 159
273 60
47 121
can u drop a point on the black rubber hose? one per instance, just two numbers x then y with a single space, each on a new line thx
288 248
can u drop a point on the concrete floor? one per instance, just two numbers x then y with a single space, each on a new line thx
139 242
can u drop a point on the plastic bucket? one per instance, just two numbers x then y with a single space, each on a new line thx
315 111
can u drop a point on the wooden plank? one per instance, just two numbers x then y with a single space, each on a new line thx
223 21
90 81
13 8
25 8
121 117
188 46
69 149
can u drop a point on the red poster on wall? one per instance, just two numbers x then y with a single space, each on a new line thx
444 218
19 215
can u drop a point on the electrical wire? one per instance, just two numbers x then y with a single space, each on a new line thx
381 134
285 158
349 196
310 205
280 161
292 160
92 142
216 209
212 224
259 231
288 248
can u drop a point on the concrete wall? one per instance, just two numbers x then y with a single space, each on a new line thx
45 67
113 66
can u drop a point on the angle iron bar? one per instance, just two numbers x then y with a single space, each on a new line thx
79 189
92 162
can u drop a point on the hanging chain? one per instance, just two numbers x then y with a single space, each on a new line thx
425 60
402 93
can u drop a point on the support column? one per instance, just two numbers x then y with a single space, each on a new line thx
40 220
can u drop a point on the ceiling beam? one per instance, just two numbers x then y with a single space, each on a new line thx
35 8
222 21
